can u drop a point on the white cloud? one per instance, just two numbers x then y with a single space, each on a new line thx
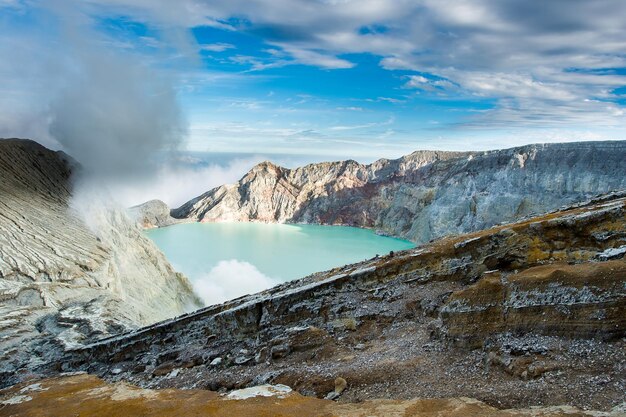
176 184
386 99
217 47
541 63
425 84
309 57
231 279
389 121
292 55
351 108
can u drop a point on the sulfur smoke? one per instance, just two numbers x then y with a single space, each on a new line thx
111 112
115 117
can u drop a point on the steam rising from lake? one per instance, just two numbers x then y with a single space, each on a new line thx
230 279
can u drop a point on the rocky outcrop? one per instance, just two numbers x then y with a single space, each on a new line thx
66 277
153 213
424 195
530 313
580 300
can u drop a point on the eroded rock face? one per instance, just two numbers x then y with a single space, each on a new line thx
523 314
424 195
64 282
578 300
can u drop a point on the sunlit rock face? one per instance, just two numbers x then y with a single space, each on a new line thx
68 277
423 195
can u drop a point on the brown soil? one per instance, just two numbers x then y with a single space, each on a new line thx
88 396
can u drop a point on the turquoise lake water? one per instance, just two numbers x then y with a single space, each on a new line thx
227 260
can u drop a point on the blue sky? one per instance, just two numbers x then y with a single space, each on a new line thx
359 79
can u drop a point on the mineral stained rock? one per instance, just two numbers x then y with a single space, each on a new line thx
519 314
423 195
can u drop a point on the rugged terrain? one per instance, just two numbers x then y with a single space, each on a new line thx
423 195
68 277
516 315
530 313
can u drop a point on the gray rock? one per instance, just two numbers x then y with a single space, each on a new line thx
71 270
261 355
423 195
340 386
331 396
280 351
153 213
242 360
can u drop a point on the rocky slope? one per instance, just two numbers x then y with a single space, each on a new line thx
424 195
64 282
525 314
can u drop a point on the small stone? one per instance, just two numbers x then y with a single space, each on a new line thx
116 371
241 360
331 396
340 385
139 368
261 355
280 351
360 346
164 368
216 362
347 323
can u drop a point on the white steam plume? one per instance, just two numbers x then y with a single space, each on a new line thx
111 112
231 279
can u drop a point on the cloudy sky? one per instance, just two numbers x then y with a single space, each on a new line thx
346 78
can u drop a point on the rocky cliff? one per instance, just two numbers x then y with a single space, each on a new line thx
423 195
529 313
64 282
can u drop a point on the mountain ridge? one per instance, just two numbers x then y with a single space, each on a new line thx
423 195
